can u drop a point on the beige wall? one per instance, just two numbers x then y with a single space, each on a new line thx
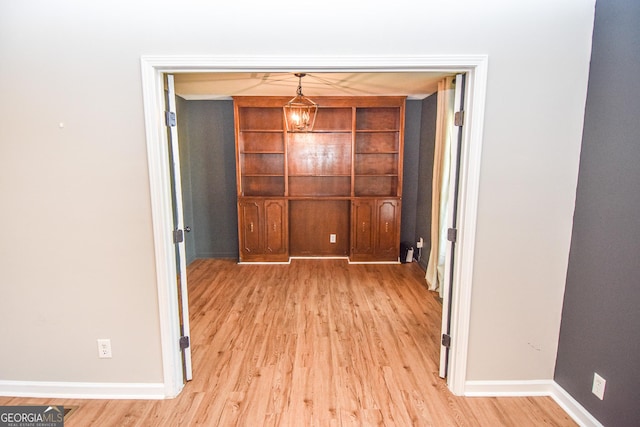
77 247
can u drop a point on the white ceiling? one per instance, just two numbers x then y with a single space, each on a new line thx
199 86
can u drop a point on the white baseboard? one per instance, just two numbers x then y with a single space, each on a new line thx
508 388
82 390
533 388
573 408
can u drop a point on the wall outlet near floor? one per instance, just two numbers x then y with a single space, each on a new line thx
332 238
598 386
104 349
420 243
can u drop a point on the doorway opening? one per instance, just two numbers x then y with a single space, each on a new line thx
153 70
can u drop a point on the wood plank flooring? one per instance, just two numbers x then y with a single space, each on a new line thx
314 343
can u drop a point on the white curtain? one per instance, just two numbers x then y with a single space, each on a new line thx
441 183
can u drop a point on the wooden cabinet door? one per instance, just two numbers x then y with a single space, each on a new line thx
275 223
250 227
362 233
387 221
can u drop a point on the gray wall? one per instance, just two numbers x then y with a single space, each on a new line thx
207 160
410 168
600 329
185 175
424 175
209 178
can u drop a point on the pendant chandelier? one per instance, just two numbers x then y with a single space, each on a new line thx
300 112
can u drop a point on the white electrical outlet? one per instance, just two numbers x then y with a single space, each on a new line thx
104 349
332 238
598 386
420 243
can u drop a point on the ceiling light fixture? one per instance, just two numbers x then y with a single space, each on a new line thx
300 112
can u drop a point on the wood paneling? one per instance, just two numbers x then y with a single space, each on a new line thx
255 118
312 221
378 118
319 154
261 142
376 185
333 119
380 142
263 164
316 187
262 185
314 343
377 164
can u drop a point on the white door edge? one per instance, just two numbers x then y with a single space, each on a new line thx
179 225
450 281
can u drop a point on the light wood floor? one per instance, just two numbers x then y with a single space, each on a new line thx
315 343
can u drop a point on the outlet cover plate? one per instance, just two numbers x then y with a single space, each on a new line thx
598 386
104 349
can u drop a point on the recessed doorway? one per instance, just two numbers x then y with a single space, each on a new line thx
153 69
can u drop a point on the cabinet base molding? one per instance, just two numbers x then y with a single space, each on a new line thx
264 262
375 262
317 257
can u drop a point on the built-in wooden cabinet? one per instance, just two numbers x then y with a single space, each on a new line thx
349 166
263 229
375 229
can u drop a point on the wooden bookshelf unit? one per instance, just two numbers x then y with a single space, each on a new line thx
334 191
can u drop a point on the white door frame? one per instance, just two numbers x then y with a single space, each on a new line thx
153 68
180 247
451 219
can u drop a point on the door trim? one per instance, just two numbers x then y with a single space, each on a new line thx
178 225
153 68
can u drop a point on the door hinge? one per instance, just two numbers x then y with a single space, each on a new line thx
170 118
184 343
458 118
178 236
446 340
452 235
